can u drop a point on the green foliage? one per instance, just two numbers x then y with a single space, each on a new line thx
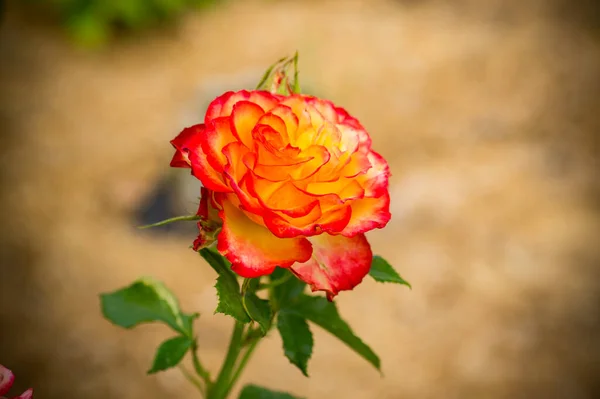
324 314
383 272
286 287
228 287
148 300
170 353
144 301
256 392
94 22
259 311
297 339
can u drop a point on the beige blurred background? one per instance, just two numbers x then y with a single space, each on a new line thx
487 111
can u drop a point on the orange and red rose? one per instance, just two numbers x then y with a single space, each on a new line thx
289 181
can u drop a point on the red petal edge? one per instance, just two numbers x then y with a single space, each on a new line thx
338 263
252 249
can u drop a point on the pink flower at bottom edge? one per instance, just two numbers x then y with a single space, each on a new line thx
7 378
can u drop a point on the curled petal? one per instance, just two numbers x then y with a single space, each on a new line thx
252 249
244 117
368 214
189 150
28 394
375 180
345 189
338 263
214 138
206 173
181 145
314 223
290 120
284 197
7 378
223 105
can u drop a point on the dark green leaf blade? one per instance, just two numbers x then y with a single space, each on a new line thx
291 289
383 272
170 353
228 287
146 300
324 314
256 392
259 310
297 339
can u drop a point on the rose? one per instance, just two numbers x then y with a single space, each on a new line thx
7 379
295 183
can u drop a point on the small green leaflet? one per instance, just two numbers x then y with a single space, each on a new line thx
228 287
259 310
146 300
170 353
297 339
256 392
383 272
324 314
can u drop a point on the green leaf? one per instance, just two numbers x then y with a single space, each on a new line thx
228 287
297 339
259 310
287 292
144 301
170 353
324 314
383 272
256 392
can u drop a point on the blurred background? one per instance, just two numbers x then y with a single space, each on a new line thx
487 111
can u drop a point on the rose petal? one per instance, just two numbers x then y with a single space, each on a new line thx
214 138
345 189
202 170
180 159
244 118
7 379
338 263
315 222
285 113
375 180
223 105
368 214
252 249
28 394
283 197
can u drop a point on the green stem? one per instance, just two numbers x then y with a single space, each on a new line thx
201 371
243 362
171 220
223 384
276 282
190 377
